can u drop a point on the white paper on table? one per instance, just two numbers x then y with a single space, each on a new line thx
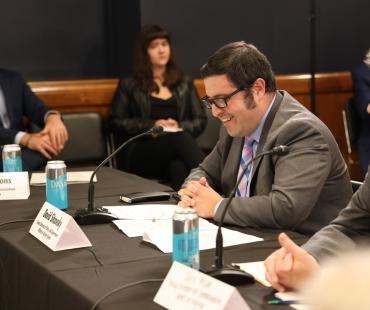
142 212
207 239
256 269
292 296
73 177
161 236
136 228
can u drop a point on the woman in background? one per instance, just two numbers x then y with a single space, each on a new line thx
361 93
158 94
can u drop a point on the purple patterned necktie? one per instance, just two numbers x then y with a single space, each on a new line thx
247 155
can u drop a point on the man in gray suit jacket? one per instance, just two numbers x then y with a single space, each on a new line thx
291 265
303 190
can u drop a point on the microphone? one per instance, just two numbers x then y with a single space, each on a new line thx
230 274
93 215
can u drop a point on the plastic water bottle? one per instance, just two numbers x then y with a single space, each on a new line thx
186 237
12 160
56 184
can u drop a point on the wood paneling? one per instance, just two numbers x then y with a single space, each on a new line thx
333 90
77 95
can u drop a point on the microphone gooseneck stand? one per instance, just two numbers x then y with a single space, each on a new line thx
93 215
227 273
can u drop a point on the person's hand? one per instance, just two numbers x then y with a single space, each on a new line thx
368 108
56 131
160 122
200 196
167 123
41 143
290 266
186 197
172 123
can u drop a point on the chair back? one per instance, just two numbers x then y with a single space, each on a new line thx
209 137
87 143
352 123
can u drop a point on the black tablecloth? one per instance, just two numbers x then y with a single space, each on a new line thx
34 277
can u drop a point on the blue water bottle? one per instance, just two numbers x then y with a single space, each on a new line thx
185 242
56 184
12 159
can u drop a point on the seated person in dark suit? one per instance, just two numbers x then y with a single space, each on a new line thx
291 266
158 95
18 101
303 190
361 94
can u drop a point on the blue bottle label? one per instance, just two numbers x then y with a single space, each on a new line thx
12 164
186 248
56 192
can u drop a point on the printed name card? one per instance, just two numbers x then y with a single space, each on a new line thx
186 288
14 185
58 230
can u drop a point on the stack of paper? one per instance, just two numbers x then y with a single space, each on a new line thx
73 177
171 129
154 223
256 269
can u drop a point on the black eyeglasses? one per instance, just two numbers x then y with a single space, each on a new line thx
220 101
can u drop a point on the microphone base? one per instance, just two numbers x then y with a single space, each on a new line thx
231 275
90 217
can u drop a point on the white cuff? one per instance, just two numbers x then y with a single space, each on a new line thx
216 207
18 137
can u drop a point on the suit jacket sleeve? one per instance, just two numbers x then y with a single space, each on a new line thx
20 102
349 229
212 166
361 90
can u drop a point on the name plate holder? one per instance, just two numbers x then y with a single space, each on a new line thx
186 288
58 230
14 185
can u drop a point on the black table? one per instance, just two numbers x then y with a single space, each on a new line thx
34 277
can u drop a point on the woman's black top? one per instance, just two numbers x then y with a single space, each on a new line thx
163 108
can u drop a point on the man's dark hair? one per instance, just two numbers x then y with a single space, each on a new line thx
142 70
243 63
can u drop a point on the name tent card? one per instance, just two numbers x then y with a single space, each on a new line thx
186 288
14 185
58 230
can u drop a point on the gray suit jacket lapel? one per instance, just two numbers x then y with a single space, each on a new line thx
231 168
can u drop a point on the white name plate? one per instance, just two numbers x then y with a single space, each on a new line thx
58 230
186 288
14 185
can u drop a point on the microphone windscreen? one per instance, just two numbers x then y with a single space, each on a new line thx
280 150
157 130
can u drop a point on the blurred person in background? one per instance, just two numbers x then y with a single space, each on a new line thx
18 101
361 95
158 94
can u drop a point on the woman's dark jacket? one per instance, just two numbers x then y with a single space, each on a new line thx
130 110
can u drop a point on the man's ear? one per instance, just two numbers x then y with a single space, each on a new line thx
258 88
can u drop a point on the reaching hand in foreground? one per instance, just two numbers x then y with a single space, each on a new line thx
290 266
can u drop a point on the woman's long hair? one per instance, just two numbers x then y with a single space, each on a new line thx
142 69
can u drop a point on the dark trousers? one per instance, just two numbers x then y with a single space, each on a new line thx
169 157
31 160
